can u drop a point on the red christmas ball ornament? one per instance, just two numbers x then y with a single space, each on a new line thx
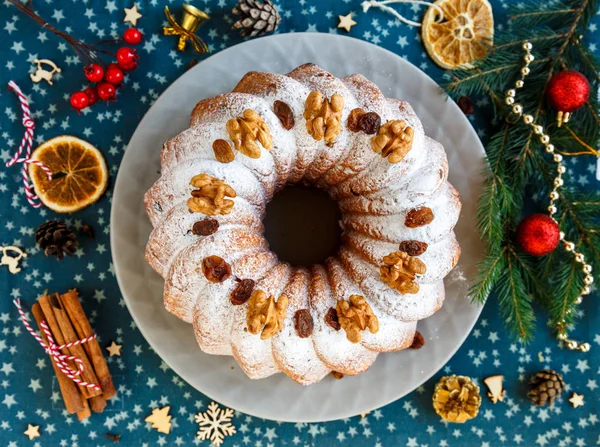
114 74
538 235
93 72
92 95
106 91
567 91
127 58
79 100
132 36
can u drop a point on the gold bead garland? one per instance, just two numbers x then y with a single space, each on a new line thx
517 113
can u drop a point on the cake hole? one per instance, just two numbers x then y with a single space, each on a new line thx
302 225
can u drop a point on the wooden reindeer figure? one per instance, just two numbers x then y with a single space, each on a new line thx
12 261
42 74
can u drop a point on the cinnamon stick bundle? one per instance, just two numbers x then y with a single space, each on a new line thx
67 322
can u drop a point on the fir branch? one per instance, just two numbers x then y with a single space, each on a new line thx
490 270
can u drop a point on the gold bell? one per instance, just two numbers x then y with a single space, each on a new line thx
192 19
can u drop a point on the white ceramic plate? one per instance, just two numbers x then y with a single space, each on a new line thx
278 397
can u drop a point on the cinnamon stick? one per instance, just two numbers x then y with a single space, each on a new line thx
97 404
85 412
72 305
64 333
73 401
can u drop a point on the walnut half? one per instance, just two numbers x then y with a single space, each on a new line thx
210 194
324 116
264 315
399 271
355 315
246 130
393 140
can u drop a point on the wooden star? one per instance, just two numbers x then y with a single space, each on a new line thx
346 22
114 349
33 431
132 15
576 400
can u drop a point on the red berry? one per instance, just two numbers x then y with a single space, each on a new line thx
127 58
106 91
79 100
93 72
114 74
132 36
538 235
92 95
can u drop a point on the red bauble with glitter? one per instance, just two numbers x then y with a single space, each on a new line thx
114 74
538 235
106 91
132 36
567 91
79 100
127 58
93 72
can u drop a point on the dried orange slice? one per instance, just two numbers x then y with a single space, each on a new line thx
79 174
462 36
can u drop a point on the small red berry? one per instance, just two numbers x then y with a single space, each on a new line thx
106 91
79 100
114 74
92 95
132 36
93 72
127 58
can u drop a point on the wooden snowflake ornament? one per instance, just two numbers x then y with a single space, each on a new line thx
215 424
160 419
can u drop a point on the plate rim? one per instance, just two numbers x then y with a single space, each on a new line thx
250 411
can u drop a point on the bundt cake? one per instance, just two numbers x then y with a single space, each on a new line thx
371 155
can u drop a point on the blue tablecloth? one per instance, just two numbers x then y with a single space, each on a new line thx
29 393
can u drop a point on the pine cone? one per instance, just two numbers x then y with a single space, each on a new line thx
545 387
257 17
56 239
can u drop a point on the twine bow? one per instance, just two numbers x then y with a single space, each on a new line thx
366 5
177 30
26 143
54 350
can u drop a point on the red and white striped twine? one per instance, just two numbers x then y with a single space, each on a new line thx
53 350
26 143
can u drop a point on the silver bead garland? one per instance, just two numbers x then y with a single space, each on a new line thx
554 195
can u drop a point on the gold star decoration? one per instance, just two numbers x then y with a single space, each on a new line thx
576 400
215 424
114 349
160 419
33 431
346 22
132 15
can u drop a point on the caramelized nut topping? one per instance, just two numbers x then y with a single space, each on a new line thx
223 151
210 194
216 269
393 140
303 322
413 248
205 227
331 318
264 315
246 130
284 113
324 116
242 292
418 217
399 271
355 316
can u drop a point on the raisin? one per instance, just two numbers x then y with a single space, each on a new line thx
465 104
284 113
205 227
337 375
223 151
216 269
369 123
418 217
303 321
418 341
353 118
242 292
413 248
331 318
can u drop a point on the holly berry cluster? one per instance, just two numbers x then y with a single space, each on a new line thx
108 80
